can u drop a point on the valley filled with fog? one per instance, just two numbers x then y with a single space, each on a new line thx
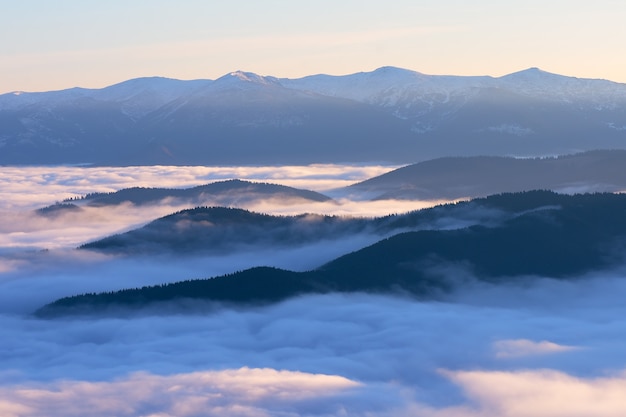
511 349
312 209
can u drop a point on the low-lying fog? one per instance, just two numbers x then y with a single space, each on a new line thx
23 190
550 348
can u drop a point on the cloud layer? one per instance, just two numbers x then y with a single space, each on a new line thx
20 226
48 184
240 392
524 347
326 355
545 348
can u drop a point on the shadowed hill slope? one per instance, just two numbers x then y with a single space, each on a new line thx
218 193
479 176
221 229
555 236
229 193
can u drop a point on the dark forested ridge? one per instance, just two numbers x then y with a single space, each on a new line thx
550 235
253 286
230 189
221 229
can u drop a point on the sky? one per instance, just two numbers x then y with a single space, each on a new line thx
88 43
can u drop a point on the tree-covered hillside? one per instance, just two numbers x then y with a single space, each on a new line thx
547 234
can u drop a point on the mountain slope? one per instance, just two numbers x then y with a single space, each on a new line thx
557 236
245 118
226 193
454 178
563 237
229 193
530 109
390 114
223 230
210 230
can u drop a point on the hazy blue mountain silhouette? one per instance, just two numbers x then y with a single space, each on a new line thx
551 235
479 176
390 114
224 193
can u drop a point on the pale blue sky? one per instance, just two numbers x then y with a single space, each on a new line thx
93 43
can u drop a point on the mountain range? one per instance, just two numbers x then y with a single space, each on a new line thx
542 234
389 115
214 218
220 230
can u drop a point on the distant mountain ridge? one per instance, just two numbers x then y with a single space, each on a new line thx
226 193
389 114
452 178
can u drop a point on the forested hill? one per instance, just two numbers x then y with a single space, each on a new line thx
230 193
223 229
552 235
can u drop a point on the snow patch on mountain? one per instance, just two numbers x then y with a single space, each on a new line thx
140 96
451 109
410 94
511 129
252 77
240 80
390 87
136 97
49 99
597 94
363 86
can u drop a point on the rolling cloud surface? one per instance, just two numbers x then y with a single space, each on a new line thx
547 348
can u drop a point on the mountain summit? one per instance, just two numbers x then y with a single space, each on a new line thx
241 79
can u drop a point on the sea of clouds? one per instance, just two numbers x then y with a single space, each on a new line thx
546 348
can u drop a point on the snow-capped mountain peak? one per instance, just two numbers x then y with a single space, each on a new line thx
247 76
524 112
241 78
534 75
362 86
565 89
